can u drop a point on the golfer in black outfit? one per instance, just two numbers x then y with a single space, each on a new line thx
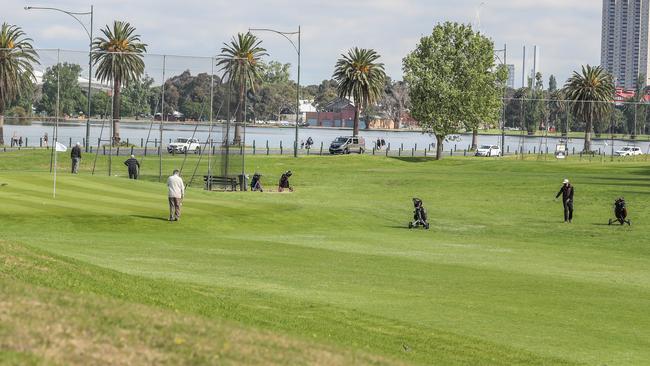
133 165
567 199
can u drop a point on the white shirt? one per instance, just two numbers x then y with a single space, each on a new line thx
175 186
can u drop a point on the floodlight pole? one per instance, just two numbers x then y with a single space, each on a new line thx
298 51
90 50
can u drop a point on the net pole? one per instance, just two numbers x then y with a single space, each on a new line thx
162 119
56 120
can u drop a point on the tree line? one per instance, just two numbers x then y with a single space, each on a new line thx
451 83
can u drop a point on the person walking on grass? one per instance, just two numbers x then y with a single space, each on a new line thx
566 192
134 167
176 192
75 155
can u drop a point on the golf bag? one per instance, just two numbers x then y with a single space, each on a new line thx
620 212
419 215
256 183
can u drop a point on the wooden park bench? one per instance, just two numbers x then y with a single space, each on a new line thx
220 182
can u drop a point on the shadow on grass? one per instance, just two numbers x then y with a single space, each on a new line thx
407 159
158 218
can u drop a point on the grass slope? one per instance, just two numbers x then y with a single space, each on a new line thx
498 280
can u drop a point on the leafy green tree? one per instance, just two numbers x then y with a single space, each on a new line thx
135 97
589 91
118 55
450 81
275 72
100 104
72 100
241 61
552 84
395 100
360 77
535 107
17 57
557 111
325 93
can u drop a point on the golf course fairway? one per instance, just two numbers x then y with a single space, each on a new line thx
328 274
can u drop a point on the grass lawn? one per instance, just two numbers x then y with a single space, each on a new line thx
329 274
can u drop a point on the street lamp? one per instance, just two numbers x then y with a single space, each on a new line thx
297 48
90 48
505 89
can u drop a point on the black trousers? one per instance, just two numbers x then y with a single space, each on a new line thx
133 173
568 210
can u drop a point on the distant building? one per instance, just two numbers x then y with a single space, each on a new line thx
511 76
306 106
624 43
340 113
337 113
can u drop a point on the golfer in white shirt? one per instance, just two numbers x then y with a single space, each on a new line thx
176 190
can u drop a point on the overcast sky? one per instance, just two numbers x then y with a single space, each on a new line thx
567 32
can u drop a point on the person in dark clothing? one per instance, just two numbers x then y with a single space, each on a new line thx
566 192
134 167
310 142
75 154
256 183
284 182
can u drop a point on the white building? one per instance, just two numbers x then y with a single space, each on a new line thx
624 43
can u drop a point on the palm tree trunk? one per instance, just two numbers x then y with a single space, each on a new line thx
240 115
357 110
474 139
2 127
589 127
439 146
116 111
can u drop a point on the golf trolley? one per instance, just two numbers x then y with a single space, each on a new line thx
620 212
419 215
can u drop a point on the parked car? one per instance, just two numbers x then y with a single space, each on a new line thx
181 145
629 151
488 150
348 144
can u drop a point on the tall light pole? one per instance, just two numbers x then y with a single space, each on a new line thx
297 48
90 50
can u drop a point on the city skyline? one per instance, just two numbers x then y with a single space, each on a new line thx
566 31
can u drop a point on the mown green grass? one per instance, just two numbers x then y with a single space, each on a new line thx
499 279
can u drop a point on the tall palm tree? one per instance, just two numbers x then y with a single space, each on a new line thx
242 65
589 91
359 76
17 57
119 56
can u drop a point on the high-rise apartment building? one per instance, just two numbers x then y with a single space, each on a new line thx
624 43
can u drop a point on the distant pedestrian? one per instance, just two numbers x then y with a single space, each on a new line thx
20 141
45 139
176 193
383 142
310 142
75 155
302 144
133 166
284 182
14 140
566 192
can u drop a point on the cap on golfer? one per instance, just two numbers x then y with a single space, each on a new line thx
565 181
133 156
78 144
